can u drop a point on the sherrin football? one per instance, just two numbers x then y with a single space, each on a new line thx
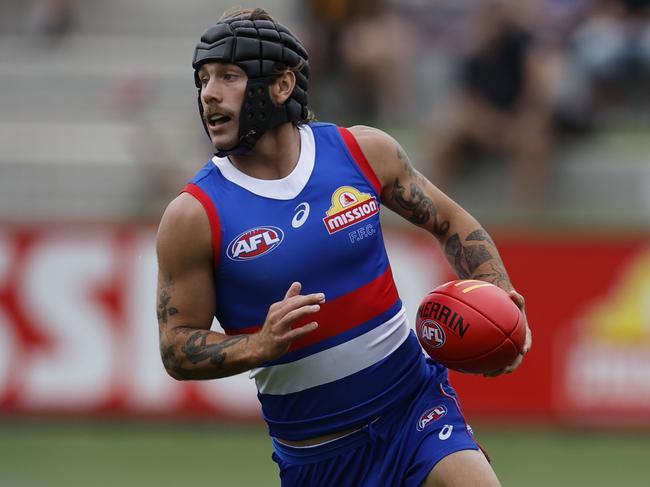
470 326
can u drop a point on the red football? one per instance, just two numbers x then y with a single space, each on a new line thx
470 326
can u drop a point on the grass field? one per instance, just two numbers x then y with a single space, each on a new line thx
153 454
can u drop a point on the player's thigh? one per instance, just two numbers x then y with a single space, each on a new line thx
465 468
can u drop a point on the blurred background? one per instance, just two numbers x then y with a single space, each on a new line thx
533 114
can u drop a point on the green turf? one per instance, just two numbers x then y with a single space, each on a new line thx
568 458
141 455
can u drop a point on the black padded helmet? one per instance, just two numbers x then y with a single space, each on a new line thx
261 48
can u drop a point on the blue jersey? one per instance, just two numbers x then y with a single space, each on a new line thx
319 226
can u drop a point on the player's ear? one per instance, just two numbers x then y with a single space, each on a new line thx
282 87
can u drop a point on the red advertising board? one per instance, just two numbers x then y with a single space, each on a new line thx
588 304
78 333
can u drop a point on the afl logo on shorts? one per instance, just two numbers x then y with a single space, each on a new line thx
431 415
432 333
255 243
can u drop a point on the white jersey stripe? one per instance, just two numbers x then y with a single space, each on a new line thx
334 363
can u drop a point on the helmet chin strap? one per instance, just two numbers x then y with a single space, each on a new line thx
257 115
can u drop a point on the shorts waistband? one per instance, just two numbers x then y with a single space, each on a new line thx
301 455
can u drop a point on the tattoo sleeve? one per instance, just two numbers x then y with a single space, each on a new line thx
196 348
164 309
196 358
185 351
416 205
476 257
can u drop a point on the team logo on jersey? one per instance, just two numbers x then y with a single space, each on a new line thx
255 243
432 333
431 415
349 206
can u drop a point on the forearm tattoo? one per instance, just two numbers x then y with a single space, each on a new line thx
195 348
419 207
476 253
173 364
466 258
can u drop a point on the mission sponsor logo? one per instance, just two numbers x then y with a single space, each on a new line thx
255 243
430 416
349 206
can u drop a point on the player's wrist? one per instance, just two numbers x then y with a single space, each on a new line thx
257 353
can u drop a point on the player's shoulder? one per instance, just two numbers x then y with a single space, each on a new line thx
184 224
370 135
183 211
380 148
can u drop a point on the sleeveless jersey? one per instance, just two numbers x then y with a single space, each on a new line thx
319 226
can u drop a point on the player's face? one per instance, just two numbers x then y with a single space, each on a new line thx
223 87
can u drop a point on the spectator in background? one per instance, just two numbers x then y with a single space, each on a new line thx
608 58
376 52
52 19
501 103
364 48
327 22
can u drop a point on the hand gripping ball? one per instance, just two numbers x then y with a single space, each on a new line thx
470 326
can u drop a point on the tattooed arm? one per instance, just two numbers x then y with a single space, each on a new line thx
186 304
467 246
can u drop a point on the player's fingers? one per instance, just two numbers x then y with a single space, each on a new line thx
278 310
518 299
296 302
293 290
299 332
295 315
506 370
528 342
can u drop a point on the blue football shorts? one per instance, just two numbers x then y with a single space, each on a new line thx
399 448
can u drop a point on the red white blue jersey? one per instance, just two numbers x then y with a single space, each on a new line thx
319 226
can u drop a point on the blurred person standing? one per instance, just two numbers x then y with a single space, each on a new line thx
327 22
285 215
377 59
608 59
501 103
347 40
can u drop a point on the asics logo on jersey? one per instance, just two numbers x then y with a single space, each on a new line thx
255 243
432 333
301 215
431 415
349 206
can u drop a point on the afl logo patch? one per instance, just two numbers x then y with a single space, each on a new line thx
432 333
430 416
255 243
349 206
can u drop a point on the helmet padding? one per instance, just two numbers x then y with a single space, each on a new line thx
261 48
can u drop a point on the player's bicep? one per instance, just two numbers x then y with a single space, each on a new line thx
404 190
409 194
184 298
185 293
